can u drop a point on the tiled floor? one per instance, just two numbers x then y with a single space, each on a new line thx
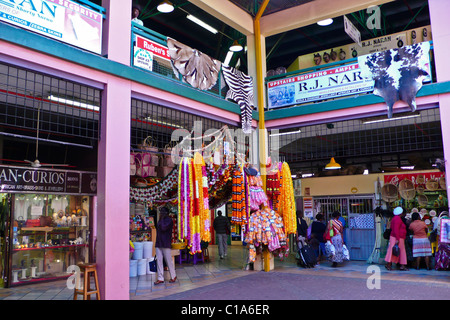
221 272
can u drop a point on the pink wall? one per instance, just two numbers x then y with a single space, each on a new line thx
441 42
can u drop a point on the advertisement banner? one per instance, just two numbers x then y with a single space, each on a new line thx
154 48
320 85
63 20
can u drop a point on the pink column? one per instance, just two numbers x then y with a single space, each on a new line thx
441 43
112 248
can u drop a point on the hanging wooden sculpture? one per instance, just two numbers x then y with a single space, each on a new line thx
197 68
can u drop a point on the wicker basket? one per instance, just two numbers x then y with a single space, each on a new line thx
422 200
389 192
420 189
420 179
432 185
406 189
442 183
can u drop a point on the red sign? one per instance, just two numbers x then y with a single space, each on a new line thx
396 178
153 47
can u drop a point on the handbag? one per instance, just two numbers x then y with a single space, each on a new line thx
153 265
345 252
395 250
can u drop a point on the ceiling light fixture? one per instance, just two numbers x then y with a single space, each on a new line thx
236 47
325 22
332 165
165 7
285 133
390 119
74 103
202 24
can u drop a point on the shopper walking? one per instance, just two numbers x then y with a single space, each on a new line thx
318 228
163 245
421 245
334 234
398 235
222 227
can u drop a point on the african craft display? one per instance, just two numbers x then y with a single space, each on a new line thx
197 68
241 91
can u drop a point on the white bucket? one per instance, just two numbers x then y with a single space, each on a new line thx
148 249
142 267
133 268
138 250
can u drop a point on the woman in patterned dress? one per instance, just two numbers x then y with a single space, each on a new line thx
334 230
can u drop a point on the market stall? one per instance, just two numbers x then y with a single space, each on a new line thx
215 174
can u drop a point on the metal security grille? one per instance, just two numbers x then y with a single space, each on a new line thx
159 122
361 140
68 111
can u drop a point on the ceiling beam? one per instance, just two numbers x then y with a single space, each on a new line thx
229 13
311 12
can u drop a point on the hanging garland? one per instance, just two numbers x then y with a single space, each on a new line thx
273 187
287 201
238 197
202 198
158 191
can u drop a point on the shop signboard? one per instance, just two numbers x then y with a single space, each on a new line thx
64 20
320 85
145 51
39 180
413 177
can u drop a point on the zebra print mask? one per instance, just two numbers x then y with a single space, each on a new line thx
241 91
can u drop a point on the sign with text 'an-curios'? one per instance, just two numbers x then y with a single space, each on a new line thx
315 86
38 180
64 20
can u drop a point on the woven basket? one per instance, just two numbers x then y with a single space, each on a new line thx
420 189
420 179
432 185
422 200
389 192
442 183
406 189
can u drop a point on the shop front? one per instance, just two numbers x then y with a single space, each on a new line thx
47 223
366 202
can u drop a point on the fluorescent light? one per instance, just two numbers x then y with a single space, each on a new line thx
390 119
74 103
165 7
325 22
228 58
201 23
285 133
163 123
